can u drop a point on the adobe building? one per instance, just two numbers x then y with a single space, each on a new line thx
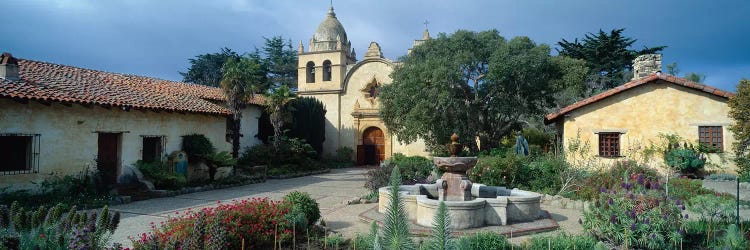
61 120
329 71
624 120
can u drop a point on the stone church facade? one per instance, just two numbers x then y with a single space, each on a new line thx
330 72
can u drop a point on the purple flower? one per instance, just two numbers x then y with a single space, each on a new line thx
613 219
686 216
632 227
682 231
653 236
665 217
678 202
655 185
602 189
624 185
647 221
631 196
683 206
610 201
640 179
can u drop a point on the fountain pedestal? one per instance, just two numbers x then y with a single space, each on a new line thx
454 184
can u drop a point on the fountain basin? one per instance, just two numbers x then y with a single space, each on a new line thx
490 205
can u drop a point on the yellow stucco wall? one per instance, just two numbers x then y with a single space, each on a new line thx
69 139
642 113
343 129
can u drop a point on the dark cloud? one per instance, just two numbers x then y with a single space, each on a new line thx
155 38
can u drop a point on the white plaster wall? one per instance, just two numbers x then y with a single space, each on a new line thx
249 126
69 138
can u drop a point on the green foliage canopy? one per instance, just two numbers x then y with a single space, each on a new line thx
739 111
205 69
607 54
472 84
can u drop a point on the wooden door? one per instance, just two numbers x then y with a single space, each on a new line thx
108 156
373 140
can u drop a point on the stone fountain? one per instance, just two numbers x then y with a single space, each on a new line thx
471 205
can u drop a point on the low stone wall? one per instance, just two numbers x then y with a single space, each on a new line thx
558 201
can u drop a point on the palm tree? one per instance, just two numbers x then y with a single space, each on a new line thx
242 77
279 111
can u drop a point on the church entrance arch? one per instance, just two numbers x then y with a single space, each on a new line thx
372 150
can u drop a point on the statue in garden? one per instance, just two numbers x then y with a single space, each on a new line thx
522 146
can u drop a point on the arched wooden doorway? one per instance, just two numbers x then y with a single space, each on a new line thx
372 150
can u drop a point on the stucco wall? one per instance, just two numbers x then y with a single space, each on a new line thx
69 138
367 72
642 113
249 126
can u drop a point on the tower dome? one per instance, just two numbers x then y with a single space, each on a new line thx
330 35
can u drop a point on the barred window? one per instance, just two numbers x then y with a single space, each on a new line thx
19 153
711 136
609 144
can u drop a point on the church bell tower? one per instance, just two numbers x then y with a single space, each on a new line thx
322 67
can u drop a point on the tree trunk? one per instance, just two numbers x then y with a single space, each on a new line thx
235 138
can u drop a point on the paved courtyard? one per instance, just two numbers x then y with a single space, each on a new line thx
331 190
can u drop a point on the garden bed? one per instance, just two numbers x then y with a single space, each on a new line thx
186 190
299 174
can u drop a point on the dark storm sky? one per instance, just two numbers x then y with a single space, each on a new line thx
155 38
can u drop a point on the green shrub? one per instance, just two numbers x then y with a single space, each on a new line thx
197 146
333 241
344 154
610 178
733 239
713 208
414 169
255 156
160 174
638 214
84 189
509 171
484 241
684 188
309 122
563 242
548 174
686 160
305 204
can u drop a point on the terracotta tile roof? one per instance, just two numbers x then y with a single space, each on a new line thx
550 118
49 82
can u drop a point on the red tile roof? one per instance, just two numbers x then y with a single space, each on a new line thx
49 82
550 118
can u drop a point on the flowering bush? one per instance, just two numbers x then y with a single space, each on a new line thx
257 221
636 214
610 178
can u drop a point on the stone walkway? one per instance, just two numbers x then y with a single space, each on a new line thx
331 190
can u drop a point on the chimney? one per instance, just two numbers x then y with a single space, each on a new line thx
645 65
8 67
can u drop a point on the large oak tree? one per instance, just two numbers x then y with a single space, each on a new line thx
475 84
